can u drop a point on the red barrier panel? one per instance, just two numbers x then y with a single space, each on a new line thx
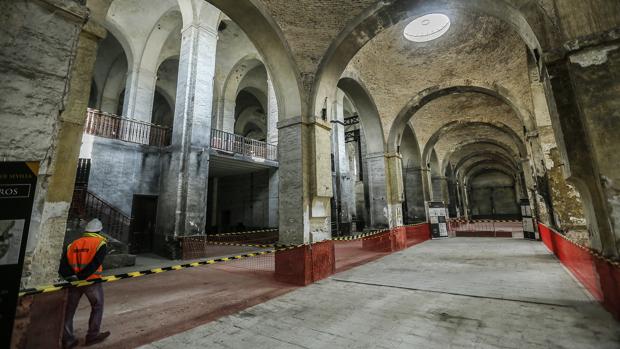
378 243
599 276
417 234
306 264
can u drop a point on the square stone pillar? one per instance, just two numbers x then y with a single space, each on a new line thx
305 180
414 193
139 92
182 207
377 190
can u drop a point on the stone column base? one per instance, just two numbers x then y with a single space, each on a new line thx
306 264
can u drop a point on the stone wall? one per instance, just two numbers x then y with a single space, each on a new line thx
121 169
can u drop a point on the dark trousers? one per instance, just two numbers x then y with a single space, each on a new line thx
94 293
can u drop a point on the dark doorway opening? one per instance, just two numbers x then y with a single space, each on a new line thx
143 215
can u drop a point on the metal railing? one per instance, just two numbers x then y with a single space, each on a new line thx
113 126
87 205
236 144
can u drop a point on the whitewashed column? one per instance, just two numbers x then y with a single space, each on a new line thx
272 138
183 200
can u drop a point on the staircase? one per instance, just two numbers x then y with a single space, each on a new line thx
116 225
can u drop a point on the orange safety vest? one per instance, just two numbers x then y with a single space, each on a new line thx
82 251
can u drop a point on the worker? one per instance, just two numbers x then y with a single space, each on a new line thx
83 260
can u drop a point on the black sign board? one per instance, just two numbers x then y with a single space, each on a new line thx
17 186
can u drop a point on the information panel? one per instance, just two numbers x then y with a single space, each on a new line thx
529 231
438 218
17 186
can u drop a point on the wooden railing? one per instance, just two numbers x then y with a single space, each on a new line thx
87 205
236 144
113 126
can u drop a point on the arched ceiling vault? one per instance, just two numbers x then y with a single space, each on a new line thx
509 151
499 158
456 131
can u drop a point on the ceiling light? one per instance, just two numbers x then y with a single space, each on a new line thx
428 27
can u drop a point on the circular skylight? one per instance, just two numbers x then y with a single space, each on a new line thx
428 27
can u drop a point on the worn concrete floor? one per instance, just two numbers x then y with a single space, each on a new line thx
456 293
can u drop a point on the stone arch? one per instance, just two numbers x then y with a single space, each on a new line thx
510 152
456 125
425 96
231 89
368 113
494 156
376 176
385 14
269 41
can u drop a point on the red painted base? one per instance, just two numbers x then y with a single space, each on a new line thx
417 234
600 277
390 241
41 314
306 264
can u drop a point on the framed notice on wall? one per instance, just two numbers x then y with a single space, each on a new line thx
438 219
17 186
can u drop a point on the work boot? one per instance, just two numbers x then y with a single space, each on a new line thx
97 339
70 345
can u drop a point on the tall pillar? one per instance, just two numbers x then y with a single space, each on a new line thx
414 193
272 138
343 190
56 181
377 190
305 180
437 191
395 189
585 111
139 93
183 200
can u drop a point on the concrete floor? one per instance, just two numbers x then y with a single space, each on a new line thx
455 293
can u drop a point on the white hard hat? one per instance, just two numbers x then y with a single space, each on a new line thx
94 226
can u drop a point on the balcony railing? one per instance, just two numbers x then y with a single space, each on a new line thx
236 144
112 126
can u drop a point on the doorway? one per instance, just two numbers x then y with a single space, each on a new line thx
143 215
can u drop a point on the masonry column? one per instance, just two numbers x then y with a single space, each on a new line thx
57 173
343 192
396 193
377 190
139 92
414 189
185 169
305 180
272 138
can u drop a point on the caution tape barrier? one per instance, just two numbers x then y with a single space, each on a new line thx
111 278
243 233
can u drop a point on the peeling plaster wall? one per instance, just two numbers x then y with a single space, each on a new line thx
38 45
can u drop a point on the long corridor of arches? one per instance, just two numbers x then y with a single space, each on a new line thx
282 143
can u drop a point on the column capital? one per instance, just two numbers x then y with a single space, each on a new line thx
572 47
299 120
201 27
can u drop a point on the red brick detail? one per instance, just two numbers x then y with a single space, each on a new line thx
601 277
306 264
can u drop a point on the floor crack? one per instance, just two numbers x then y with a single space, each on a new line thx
452 293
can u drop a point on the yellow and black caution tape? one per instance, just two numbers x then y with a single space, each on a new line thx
220 243
360 236
111 278
243 233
